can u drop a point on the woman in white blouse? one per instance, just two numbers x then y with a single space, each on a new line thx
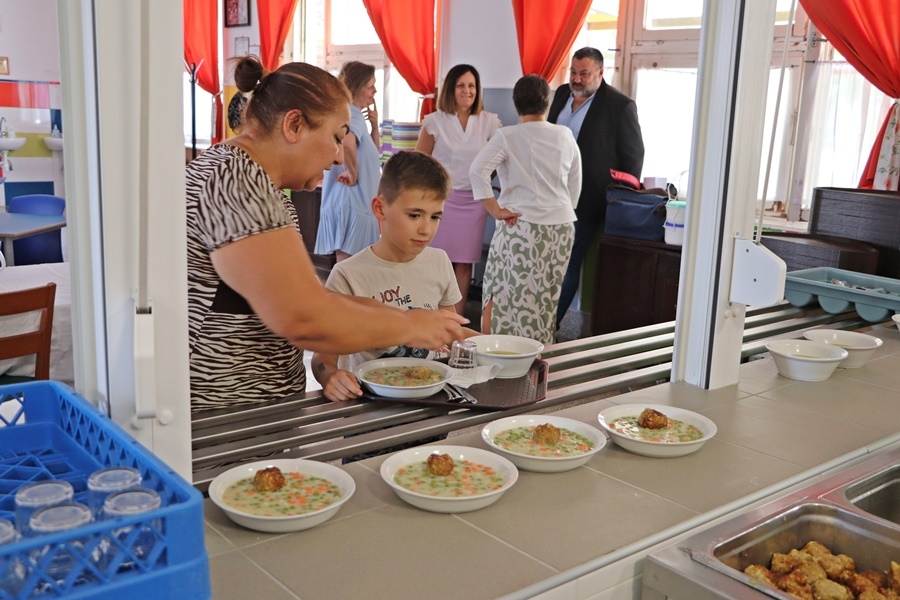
453 135
539 166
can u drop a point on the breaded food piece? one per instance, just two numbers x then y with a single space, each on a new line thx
546 434
652 419
419 372
859 584
877 577
269 479
784 563
800 555
796 584
810 570
440 464
870 595
835 567
825 589
761 574
816 549
895 577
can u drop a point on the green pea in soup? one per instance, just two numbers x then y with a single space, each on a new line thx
301 494
519 440
676 431
466 479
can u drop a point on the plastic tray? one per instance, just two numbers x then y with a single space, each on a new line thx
49 432
802 288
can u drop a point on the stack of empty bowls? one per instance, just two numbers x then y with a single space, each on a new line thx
805 360
859 346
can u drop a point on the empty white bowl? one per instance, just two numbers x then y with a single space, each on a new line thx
543 464
805 360
513 353
896 319
859 346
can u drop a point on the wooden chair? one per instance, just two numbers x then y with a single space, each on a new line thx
36 342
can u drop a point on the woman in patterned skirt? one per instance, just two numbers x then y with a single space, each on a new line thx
254 299
540 177
454 135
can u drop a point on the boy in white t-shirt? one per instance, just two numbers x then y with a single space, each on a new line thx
399 269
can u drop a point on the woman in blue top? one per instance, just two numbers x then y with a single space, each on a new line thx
346 223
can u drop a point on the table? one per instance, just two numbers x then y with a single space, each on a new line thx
62 364
14 226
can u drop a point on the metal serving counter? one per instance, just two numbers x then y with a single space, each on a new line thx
310 426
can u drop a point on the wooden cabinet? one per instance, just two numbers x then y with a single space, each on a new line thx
636 284
308 205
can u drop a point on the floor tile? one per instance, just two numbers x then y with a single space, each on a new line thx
234 577
438 551
551 499
215 541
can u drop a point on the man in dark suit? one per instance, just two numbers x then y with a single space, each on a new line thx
606 128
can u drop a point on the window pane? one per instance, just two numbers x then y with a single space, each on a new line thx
350 24
779 172
599 32
673 14
203 114
665 101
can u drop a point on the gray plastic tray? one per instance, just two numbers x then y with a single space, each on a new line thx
879 299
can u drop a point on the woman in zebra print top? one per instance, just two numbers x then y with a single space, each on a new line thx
254 298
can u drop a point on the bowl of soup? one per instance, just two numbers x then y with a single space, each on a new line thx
543 443
281 495
448 479
675 432
512 353
403 377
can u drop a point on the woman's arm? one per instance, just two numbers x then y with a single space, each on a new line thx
351 165
274 273
425 143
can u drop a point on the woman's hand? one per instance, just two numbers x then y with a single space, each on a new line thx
434 329
342 385
347 178
370 112
507 216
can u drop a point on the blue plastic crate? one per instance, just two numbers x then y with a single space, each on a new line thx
49 432
875 298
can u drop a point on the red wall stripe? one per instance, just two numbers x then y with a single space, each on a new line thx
24 94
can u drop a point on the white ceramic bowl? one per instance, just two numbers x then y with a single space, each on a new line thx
543 464
503 467
657 449
412 391
511 365
287 465
859 346
805 360
896 319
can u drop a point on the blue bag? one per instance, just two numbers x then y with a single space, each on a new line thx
635 214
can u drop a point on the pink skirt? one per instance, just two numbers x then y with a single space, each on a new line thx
461 232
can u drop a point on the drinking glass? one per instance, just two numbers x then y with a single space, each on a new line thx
63 562
131 541
462 361
41 494
12 571
108 481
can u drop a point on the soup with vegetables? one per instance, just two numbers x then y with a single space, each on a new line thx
466 479
301 494
676 431
520 440
408 376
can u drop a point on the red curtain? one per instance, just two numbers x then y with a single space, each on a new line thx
274 22
867 34
546 33
407 29
201 47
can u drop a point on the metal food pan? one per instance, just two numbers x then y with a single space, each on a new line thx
878 494
739 544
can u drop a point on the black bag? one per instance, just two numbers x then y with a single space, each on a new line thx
635 214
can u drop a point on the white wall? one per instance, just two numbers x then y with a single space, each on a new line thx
482 34
28 37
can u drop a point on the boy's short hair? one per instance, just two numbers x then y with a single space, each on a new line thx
413 170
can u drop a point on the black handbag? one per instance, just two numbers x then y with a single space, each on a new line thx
636 214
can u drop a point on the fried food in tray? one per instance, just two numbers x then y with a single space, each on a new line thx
546 434
814 573
270 479
652 419
440 464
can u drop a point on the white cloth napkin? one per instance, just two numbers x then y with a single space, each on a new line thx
481 374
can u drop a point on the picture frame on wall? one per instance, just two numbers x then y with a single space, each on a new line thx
237 13
241 46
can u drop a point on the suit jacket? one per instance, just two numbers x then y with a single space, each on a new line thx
610 138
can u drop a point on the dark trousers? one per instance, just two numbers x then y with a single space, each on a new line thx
584 235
